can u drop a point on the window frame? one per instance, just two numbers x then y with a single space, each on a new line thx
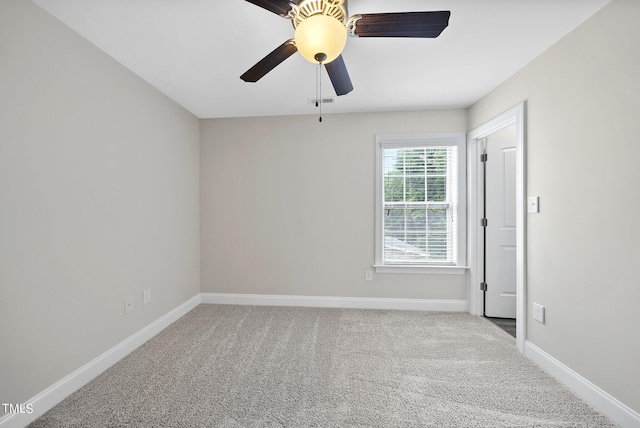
455 139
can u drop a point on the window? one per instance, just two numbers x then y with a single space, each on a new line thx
420 203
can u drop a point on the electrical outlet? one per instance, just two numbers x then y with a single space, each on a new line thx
368 275
538 313
128 305
146 296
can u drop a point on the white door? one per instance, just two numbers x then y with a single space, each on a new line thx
500 200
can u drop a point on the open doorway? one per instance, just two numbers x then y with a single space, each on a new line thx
496 153
498 203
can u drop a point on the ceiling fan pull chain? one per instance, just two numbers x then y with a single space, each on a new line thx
317 90
320 57
320 86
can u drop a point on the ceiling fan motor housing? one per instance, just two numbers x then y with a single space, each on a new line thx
334 8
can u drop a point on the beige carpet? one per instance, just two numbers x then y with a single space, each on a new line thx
247 366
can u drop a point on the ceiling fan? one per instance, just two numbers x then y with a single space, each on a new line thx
321 29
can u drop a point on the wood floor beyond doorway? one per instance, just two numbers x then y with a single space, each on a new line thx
507 324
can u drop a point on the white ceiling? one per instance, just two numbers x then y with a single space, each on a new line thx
195 50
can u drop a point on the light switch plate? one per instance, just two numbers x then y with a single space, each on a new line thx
534 204
146 296
538 313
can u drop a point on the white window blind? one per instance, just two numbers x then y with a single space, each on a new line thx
419 204
418 197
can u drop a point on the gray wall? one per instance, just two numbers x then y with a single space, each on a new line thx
582 98
287 205
98 201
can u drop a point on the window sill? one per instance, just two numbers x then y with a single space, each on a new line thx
434 270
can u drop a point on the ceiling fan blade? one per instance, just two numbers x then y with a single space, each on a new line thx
270 61
279 7
339 76
402 24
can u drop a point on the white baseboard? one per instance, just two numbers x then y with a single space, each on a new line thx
57 392
335 302
601 400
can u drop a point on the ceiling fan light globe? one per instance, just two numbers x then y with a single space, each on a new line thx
320 34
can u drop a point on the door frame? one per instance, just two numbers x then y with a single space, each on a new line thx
515 115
